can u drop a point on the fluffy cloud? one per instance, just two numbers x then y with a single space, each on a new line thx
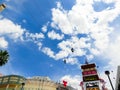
48 51
73 81
60 20
95 25
79 44
72 61
33 37
53 35
10 29
15 32
44 28
3 43
112 53
87 31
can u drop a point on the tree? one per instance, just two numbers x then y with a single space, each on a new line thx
3 57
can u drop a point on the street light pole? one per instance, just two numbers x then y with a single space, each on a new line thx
22 86
108 73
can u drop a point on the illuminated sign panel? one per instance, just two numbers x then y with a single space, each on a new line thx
94 85
92 89
88 69
89 72
88 66
90 78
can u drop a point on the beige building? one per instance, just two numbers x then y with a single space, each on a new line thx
11 82
39 83
16 82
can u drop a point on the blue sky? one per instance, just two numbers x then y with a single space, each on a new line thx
39 35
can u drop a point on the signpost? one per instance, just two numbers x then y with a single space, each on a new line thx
90 77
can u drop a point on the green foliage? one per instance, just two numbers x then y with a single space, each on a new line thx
3 57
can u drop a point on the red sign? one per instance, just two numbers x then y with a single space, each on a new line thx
91 72
65 83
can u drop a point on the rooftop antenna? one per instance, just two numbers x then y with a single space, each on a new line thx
86 61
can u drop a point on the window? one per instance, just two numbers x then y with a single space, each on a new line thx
5 79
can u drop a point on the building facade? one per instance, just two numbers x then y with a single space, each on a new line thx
11 82
117 86
39 83
16 82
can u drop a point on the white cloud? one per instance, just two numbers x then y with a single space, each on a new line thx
33 37
3 43
16 32
77 44
73 81
61 54
109 1
44 28
10 29
72 61
48 51
36 35
53 35
75 22
80 20
113 53
113 56
39 45
60 19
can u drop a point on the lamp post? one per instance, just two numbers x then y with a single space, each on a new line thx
22 86
108 73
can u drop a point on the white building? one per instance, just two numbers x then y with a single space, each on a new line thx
117 86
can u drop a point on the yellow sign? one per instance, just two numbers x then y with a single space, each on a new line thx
90 78
92 89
